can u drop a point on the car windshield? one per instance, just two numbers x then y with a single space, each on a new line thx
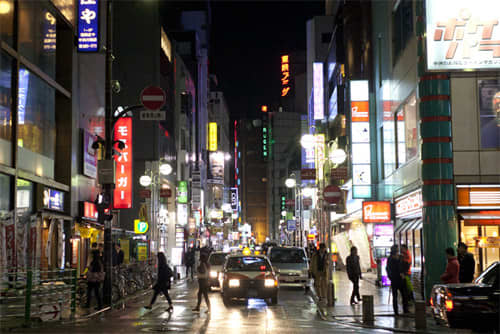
282 255
247 263
489 276
217 259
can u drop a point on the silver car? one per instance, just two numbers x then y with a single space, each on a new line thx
292 265
216 261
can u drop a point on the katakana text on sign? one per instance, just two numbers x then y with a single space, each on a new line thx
123 192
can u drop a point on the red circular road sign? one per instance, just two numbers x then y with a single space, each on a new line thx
332 194
153 98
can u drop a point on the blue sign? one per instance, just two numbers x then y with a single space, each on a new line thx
291 225
24 77
88 25
53 199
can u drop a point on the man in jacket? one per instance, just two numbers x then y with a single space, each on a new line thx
467 264
320 268
396 271
189 261
354 273
450 275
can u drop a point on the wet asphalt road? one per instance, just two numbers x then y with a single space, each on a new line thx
295 313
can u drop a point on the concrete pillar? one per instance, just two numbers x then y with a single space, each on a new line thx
439 219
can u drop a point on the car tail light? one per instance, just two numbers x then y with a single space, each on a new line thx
449 305
432 302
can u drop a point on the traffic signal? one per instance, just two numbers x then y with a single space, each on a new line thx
283 203
103 203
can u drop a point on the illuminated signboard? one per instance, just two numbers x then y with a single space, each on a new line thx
463 34
285 75
215 172
409 205
24 77
89 156
376 211
89 210
234 199
318 105
320 155
182 214
140 227
182 192
360 134
49 32
88 25
123 189
53 199
212 136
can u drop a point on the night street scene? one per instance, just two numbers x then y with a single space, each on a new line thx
265 166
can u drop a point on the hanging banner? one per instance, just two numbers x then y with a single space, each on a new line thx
123 189
89 156
88 26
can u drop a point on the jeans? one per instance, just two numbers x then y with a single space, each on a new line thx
355 290
159 289
93 286
402 289
189 268
203 290
321 285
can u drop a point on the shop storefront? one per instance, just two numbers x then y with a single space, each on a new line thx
478 208
408 231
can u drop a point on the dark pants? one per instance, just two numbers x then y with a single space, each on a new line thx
93 286
159 289
355 290
203 290
401 287
189 268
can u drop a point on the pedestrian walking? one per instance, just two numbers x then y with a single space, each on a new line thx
467 264
95 276
406 260
189 261
396 271
450 275
354 274
163 282
320 268
203 272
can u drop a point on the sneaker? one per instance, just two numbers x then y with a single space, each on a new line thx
170 308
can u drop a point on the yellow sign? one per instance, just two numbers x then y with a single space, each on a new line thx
125 246
140 227
212 136
142 253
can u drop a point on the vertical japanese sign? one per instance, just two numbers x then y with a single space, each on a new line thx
318 100
285 75
88 25
463 34
123 190
49 32
319 155
234 199
182 192
24 77
89 156
360 134
212 136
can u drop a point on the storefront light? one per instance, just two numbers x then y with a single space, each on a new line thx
337 156
308 141
5 7
145 180
290 183
165 169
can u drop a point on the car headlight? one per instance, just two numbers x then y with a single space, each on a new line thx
269 283
213 274
234 283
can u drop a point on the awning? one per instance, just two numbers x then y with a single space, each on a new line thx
408 225
481 217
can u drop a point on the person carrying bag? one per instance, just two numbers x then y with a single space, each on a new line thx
163 283
95 276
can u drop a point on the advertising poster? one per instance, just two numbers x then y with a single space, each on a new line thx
142 252
89 156
216 169
489 112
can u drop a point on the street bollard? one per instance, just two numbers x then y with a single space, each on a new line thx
27 305
73 294
368 315
420 316
331 294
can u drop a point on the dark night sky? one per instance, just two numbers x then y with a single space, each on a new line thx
247 41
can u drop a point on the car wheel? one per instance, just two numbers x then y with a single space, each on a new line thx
226 300
274 300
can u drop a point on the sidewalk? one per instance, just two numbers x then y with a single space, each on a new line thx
343 312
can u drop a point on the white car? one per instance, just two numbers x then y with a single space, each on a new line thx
292 265
216 261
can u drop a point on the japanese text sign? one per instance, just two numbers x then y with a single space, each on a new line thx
376 211
88 25
53 199
123 189
285 75
318 91
212 136
463 34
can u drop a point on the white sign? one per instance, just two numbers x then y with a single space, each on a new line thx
319 107
463 34
182 214
409 205
152 115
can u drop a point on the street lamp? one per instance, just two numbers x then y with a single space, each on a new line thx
145 180
308 141
290 183
165 169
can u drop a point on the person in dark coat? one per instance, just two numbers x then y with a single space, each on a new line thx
189 261
450 274
354 274
118 255
396 270
163 282
203 287
467 264
95 276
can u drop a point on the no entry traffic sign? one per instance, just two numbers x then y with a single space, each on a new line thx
153 98
332 194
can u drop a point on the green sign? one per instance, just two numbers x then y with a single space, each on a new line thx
182 192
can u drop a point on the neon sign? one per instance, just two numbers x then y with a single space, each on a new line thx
88 25
123 192
318 105
285 75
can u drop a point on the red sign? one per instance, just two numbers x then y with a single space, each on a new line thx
332 194
308 174
360 111
153 98
165 193
145 193
307 202
285 75
290 202
123 190
89 210
339 173
376 211
410 204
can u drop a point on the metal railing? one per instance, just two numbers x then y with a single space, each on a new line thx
27 295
